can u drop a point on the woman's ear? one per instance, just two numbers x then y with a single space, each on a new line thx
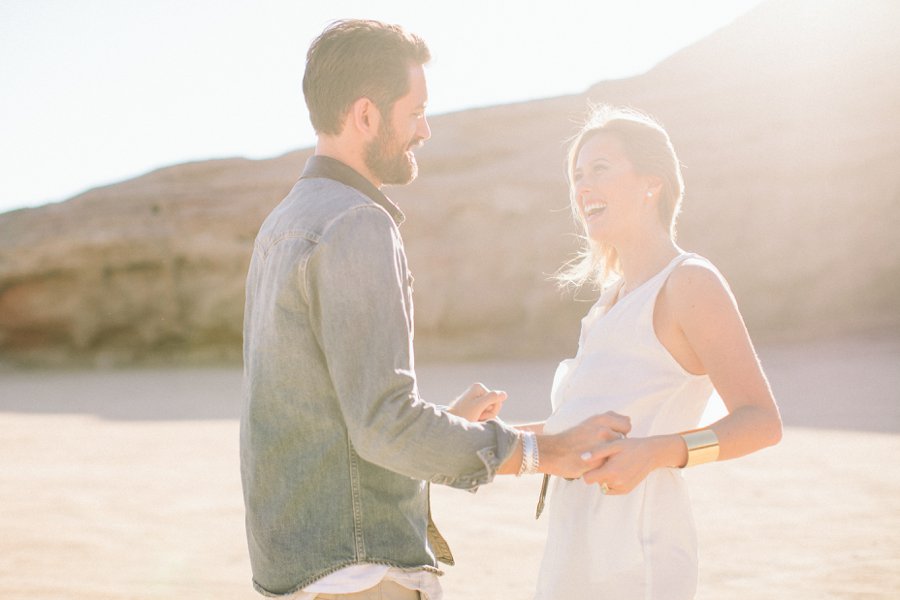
654 187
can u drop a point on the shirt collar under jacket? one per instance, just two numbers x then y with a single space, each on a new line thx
331 168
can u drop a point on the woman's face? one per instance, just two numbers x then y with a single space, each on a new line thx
610 196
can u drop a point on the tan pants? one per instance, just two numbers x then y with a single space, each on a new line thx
386 590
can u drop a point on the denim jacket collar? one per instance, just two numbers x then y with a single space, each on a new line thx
331 168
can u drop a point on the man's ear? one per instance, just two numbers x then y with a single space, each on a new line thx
365 117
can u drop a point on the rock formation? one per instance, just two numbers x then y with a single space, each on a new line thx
787 122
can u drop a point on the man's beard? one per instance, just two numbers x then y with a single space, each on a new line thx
388 160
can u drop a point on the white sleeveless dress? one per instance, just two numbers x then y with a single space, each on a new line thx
641 545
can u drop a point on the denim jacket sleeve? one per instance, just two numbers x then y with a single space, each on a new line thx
361 314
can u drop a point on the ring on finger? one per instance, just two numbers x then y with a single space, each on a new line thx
604 488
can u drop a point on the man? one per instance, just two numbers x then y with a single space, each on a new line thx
337 447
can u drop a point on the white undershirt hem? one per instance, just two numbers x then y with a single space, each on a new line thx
356 578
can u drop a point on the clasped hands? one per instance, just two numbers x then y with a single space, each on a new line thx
596 450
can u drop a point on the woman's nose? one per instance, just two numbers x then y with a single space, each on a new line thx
581 187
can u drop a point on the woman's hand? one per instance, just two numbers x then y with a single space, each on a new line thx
478 403
579 449
630 460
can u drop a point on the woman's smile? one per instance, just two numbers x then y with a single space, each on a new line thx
593 209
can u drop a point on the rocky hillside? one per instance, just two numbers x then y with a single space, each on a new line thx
787 122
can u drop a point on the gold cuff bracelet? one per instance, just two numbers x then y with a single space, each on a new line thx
702 446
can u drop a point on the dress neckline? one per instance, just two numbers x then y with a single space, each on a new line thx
616 288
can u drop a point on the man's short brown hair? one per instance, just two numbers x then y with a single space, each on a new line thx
353 59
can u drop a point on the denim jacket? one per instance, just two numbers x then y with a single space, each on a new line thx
337 447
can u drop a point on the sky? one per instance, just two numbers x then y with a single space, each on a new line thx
100 91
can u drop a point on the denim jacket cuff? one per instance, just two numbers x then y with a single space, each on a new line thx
492 457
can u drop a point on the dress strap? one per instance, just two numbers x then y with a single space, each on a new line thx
653 285
648 292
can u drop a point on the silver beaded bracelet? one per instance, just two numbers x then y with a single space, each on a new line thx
530 458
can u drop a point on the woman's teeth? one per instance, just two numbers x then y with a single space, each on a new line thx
593 208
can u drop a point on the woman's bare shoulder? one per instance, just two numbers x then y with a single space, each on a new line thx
697 283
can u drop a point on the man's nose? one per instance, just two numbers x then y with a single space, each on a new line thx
423 130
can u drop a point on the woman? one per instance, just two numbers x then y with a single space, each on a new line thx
664 333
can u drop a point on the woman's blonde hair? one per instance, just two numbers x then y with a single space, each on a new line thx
648 148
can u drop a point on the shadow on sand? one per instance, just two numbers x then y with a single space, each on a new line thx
841 384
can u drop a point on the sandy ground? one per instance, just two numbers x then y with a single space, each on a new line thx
125 484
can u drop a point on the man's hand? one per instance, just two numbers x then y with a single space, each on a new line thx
478 403
573 452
